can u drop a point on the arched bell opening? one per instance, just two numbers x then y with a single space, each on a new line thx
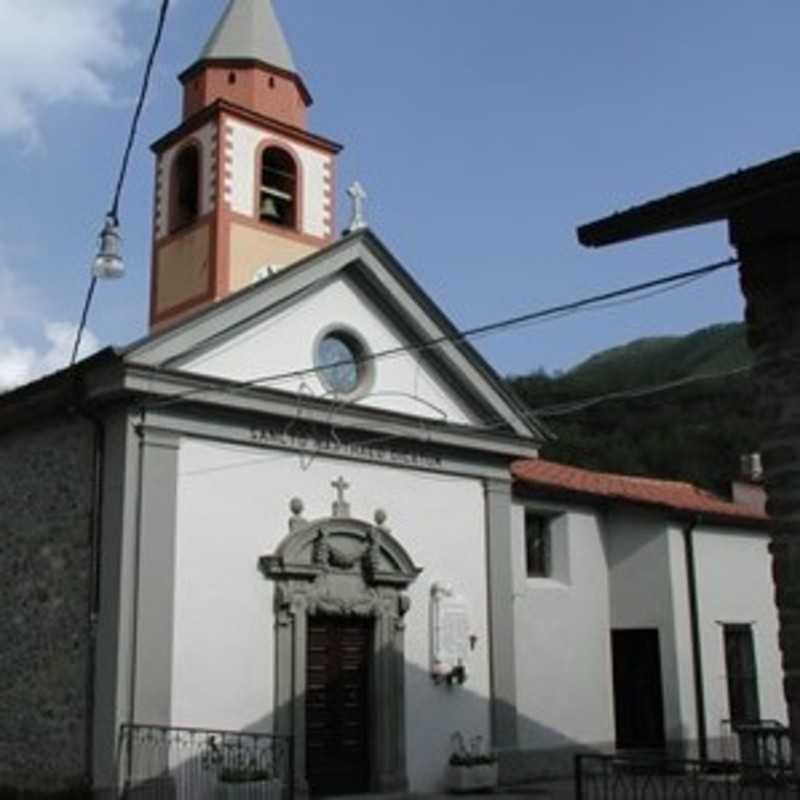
185 188
278 193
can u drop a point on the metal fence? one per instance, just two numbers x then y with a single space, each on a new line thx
163 763
766 742
599 777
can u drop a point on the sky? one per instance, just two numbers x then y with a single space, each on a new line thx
484 133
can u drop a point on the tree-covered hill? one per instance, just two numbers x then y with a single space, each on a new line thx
696 431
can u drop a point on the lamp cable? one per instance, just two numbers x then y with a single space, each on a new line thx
113 213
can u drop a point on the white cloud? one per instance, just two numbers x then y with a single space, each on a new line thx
31 345
57 50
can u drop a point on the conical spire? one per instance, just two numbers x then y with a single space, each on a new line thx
249 29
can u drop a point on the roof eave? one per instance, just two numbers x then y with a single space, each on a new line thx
205 114
247 63
603 502
70 387
712 201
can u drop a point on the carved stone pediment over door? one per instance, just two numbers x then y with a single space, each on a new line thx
342 567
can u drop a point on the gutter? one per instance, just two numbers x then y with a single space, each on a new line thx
694 623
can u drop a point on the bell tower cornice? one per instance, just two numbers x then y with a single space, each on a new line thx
243 64
246 115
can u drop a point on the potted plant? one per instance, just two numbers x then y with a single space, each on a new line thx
471 769
241 775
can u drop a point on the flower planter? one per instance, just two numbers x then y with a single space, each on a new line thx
472 778
250 790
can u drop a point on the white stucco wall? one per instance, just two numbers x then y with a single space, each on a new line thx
641 562
285 342
233 508
735 586
206 137
564 686
241 144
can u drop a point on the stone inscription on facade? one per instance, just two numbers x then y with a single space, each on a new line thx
450 628
307 440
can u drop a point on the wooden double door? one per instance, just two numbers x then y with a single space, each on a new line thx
337 705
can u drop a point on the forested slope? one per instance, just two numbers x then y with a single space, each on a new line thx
694 432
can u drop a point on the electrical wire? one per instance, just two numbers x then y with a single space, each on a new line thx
558 311
113 213
487 427
137 114
563 409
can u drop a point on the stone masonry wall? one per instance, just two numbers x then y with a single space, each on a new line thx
46 477
770 280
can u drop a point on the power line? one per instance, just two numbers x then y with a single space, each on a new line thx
126 157
113 213
561 310
563 409
547 411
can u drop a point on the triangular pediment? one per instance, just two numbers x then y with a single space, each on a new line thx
277 335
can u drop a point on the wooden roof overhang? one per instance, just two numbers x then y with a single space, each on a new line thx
725 198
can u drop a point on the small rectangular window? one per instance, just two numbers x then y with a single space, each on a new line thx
538 545
740 665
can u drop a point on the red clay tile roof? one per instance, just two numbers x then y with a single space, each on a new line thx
676 496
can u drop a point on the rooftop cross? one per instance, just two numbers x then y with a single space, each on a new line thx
358 195
341 508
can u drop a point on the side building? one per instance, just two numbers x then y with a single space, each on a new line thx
644 616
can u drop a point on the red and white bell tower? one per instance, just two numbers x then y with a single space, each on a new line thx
243 189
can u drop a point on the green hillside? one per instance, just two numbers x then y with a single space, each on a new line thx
693 432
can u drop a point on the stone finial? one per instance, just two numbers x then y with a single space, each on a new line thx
296 506
359 196
380 517
341 508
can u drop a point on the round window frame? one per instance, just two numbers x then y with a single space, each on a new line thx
357 344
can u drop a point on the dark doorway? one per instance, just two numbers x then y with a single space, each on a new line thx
638 696
337 712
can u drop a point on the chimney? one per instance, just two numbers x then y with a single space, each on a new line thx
748 488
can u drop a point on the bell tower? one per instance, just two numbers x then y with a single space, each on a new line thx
243 188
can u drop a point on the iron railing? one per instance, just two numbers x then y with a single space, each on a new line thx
162 763
613 777
766 743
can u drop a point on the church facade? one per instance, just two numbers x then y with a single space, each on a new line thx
286 512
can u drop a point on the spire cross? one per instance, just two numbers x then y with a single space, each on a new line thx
341 508
359 196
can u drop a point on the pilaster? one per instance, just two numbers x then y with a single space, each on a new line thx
501 613
154 589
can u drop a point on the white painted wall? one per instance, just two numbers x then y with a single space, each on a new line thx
564 686
207 139
627 569
641 561
242 143
285 342
735 586
233 508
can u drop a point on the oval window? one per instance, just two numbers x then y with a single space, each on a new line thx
340 358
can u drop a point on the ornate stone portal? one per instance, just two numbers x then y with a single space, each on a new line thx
339 566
